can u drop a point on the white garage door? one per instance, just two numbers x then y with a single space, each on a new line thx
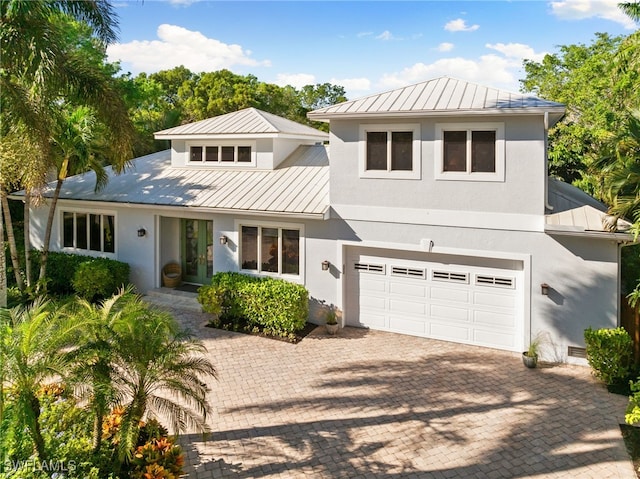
462 299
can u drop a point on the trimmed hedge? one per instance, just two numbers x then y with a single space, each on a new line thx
99 278
609 353
273 306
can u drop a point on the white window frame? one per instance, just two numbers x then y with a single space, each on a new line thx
296 278
222 164
88 251
468 175
389 128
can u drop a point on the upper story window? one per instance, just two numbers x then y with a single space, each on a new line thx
87 231
390 151
472 152
271 249
227 155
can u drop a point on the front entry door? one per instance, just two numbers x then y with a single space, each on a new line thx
197 250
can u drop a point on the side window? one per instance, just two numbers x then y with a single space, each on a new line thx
88 232
390 151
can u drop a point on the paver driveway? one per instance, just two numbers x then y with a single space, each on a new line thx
372 404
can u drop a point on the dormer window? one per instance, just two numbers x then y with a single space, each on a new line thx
390 151
222 154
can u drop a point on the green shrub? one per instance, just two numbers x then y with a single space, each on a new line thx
99 278
609 353
268 305
61 268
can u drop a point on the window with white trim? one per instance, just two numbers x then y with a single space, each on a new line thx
88 231
470 151
222 155
390 151
270 249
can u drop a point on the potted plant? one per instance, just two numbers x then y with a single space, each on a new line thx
530 356
331 322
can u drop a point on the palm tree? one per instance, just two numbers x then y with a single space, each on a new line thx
77 146
163 372
42 70
92 373
628 56
33 338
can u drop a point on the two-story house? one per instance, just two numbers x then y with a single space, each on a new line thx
428 213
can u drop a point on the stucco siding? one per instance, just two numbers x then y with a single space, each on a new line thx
522 192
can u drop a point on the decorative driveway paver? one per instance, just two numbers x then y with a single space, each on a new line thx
372 404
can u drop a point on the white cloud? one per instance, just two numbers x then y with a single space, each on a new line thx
296 80
364 34
582 9
491 70
460 25
519 51
179 46
386 35
353 84
445 47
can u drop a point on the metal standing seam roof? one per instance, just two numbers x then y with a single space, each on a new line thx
249 121
299 186
442 95
575 211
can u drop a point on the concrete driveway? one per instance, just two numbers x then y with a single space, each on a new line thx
372 404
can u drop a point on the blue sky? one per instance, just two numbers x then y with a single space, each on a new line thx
366 46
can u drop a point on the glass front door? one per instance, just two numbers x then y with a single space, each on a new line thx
197 250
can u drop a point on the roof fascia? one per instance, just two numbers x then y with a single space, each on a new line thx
621 237
193 209
240 136
559 111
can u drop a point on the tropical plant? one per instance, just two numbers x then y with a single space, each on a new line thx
161 370
609 353
31 345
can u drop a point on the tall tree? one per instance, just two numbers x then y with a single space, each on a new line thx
43 67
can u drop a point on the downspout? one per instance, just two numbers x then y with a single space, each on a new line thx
547 206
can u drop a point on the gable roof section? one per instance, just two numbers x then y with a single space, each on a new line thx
298 187
249 122
439 97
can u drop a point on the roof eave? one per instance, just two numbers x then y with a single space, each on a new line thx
240 136
592 234
556 112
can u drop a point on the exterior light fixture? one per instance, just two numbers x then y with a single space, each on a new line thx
224 239
325 265
141 232
545 289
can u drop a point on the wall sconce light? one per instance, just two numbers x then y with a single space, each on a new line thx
224 239
142 232
545 289
325 265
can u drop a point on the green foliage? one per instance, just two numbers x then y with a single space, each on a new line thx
61 267
99 278
268 305
609 353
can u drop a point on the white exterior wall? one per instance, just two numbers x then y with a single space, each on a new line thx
521 193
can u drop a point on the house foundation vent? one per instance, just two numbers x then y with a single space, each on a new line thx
576 352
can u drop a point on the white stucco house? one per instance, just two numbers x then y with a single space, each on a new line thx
427 211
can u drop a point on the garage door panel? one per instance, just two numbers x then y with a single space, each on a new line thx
375 303
494 339
494 319
450 294
408 289
494 300
379 286
372 320
410 307
464 301
404 324
449 332
448 312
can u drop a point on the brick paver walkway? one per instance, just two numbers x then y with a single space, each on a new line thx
371 404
